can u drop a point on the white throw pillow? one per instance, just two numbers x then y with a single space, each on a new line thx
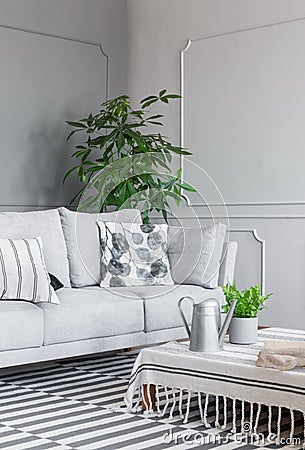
23 273
134 255
195 254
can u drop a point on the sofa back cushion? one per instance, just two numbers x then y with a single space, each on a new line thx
227 268
195 254
83 242
20 225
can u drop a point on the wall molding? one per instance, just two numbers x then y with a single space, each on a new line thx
247 216
7 205
262 243
278 203
250 28
65 38
232 209
97 45
182 122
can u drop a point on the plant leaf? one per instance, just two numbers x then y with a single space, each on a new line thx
173 96
69 172
150 97
164 100
76 124
71 134
187 187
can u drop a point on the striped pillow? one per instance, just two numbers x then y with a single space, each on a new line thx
23 273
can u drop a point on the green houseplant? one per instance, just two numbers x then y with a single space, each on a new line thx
243 328
118 133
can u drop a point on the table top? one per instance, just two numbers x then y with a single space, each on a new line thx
245 355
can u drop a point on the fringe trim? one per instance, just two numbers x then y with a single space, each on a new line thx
278 435
234 430
292 425
158 400
225 416
180 404
257 418
217 425
251 416
188 407
171 414
242 424
178 400
269 422
166 402
205 414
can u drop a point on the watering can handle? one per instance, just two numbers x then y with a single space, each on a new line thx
182 313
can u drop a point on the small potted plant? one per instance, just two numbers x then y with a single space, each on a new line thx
244 324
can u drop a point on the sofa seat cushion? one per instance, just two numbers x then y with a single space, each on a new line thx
93 312
21 325
161 303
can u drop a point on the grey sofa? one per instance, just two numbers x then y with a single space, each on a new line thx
89 319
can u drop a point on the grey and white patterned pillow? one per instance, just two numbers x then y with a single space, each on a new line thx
134 255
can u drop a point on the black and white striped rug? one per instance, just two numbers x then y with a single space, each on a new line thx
69 405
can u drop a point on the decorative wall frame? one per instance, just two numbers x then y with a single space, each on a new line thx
262 244
182 127
65 38
104 84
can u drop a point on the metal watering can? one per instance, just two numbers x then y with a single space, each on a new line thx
207 334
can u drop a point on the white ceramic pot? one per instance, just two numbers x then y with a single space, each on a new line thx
243 330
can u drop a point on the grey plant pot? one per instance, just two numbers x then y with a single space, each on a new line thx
243 330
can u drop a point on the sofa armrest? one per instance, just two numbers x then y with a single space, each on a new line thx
226 271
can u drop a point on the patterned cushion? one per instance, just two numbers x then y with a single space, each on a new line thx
134 255
23 273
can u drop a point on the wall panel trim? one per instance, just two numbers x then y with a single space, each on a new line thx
65 38
262 243
182 130
98 45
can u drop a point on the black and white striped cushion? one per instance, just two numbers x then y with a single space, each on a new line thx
23 273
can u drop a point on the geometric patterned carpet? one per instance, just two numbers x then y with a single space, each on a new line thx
68 405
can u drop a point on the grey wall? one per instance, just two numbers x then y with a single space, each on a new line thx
243 111
56 73
243 118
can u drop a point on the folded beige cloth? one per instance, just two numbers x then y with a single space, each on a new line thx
282 355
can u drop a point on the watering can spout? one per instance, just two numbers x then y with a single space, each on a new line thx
226 324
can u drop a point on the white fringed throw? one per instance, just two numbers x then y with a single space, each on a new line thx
230 374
